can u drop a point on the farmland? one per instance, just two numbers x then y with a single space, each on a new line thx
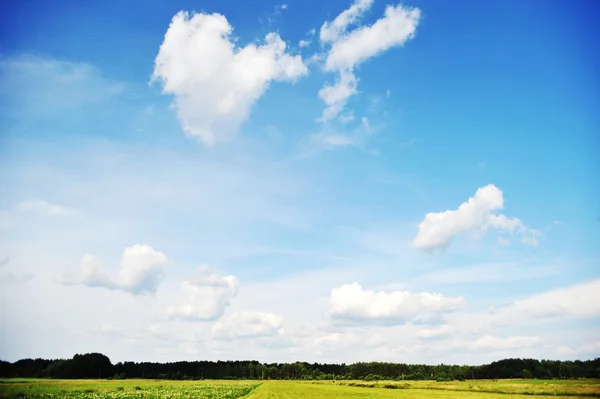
154 389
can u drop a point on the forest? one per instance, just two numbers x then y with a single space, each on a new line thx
96 365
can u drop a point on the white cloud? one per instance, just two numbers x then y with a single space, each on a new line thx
248 324
352 302
214 82
141 271
304 43
437 230
208 293
349 49
398 25
44 208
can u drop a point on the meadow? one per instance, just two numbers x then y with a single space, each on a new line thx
215 389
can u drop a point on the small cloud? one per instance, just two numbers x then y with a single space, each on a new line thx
346 118
388 93
44 208
304 43
365 124
335 140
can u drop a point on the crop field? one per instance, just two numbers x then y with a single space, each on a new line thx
159 389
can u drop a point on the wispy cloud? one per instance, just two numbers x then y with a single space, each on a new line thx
45 208
348 49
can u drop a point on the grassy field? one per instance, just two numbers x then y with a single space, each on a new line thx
151 389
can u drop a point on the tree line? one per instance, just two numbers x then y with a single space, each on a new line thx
97 365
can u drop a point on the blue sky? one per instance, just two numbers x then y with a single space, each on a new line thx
321 181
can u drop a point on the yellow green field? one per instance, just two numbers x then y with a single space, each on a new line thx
159 389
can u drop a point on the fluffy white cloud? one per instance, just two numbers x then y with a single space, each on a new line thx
214 82
208 294
352 302
349 49
44 208
248 324
141 271
437 230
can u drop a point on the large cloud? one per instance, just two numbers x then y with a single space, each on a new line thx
208 296
141 271
352 302
349 49
437 230
214 82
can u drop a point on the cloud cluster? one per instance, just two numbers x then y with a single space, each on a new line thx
140 271
347 50
208 295
214 82
437 230
352 302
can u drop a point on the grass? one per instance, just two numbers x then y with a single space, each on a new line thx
159 389
124 389
421 390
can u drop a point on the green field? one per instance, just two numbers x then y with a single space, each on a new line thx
159 389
